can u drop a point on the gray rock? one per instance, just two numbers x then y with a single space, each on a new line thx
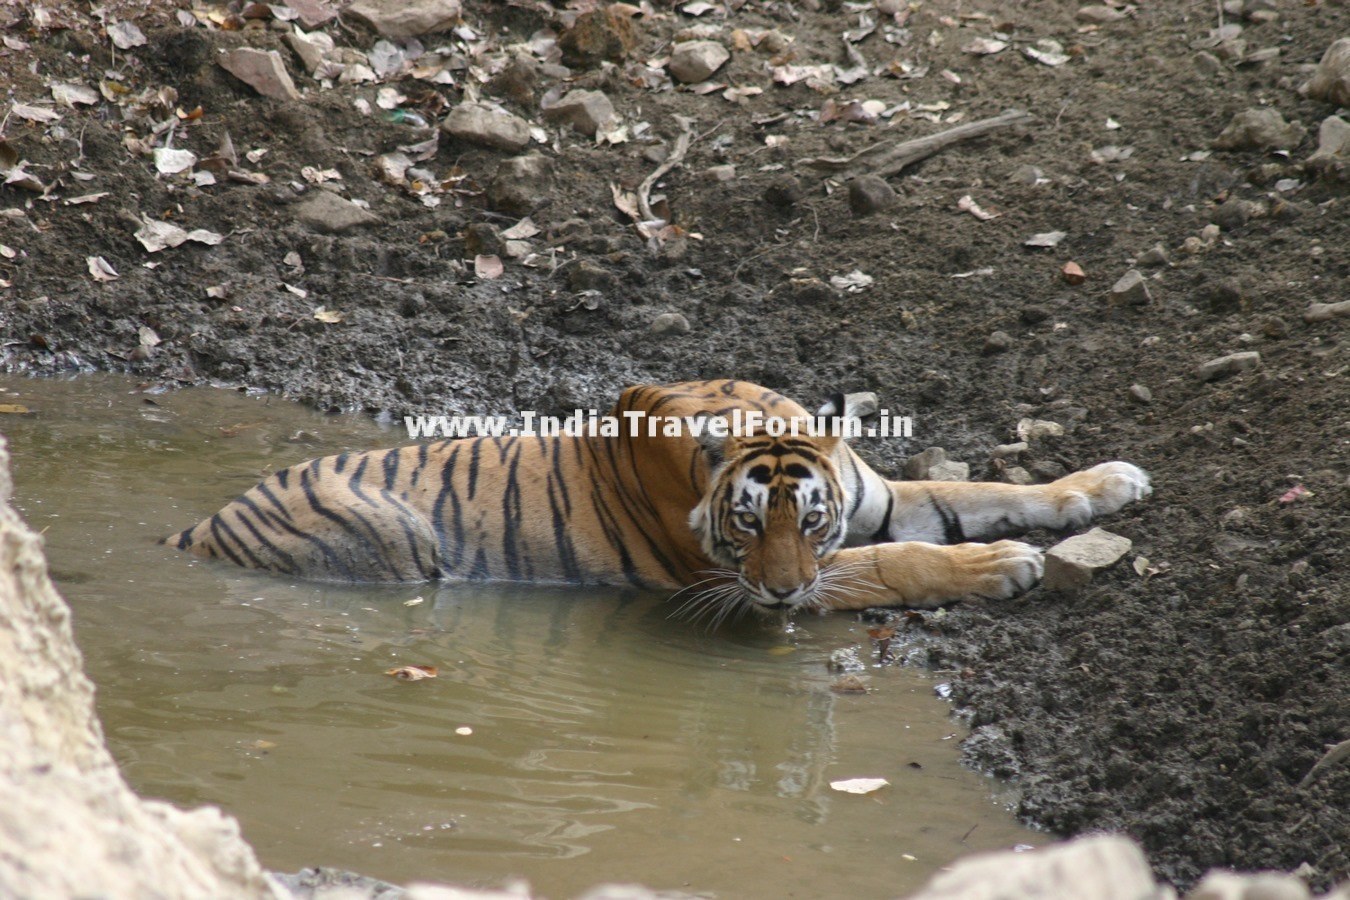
311 52
997 342
783 192
262 70
1140 394
1232 214
479 123
483 239
1099 15
326 212
870 194
406 18
585 111
694 61
1231 364
1132 289
1003 451
720 173
1260 128
1224 295
1321 312
1207 63
1155 256
1070 564
1017 475
1332 157
948 470
1331 80
521 184
670 323
918 465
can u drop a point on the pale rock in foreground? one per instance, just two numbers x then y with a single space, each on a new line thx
1231 364
1070 564
479 123
262 70
1331 80
1260 128
694 61
406 18
326 212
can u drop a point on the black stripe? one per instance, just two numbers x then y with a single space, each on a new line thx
393 459
266 492
291 566
423 450
511 517
473 466
220 531
447 493
883 534
283 477
952 532
340 462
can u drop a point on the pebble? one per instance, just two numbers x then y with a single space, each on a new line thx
483 239
521 184
1073 273
1140 394
783 192
1331 79
1232 214
670 323
262 70
1032 315
1260 128
585 275
1276 328
869 194
1037 429
1070 564
1231 364
1099 15
1017 475
1003 451
1155 256
918 465
720 173
1332 157
1321 312
998 342
948 470
585 111
328 213
1224 295
405 18
695 61
598 36
1132 289
1207 63
1028 175
481 124
1209 234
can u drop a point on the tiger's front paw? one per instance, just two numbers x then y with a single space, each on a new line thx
1100 491
1001 570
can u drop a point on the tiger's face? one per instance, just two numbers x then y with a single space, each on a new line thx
774 509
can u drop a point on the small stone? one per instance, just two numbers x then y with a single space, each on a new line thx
521 184
1192 245
947 470
585 275
518 81
720 173
1070 564
997 342
483 239
1017 475
1321 312
406 18
1099 15
1132 289
1231 364
783 192
1207 63
586 111
1209 234
1331 80
695 61
670 323
1140 394
311 49
326 212
1260 128
1028 175
1155 256
1224 295
869 194
1232 214
1038 429
1033 315
918 465
479 123
1003 451
262 70
1276 328
1073 273
1332 157
602 35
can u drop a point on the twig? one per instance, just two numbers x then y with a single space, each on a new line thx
674 159
1335 753
889 159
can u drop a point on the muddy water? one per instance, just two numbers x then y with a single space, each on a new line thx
607 742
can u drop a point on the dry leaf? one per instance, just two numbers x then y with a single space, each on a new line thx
968 204
69 94
13 409
101 270
330 316
170 162
1046 239
34 113
1294 494
859 785
416 601
147 336
412 673
488 267
126 35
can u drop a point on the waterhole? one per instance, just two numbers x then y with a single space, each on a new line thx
571 736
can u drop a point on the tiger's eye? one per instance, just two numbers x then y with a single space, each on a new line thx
747 519
813 518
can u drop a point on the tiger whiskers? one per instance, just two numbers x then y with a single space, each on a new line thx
832 585
714 603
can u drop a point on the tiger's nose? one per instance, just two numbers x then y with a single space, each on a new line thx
780 595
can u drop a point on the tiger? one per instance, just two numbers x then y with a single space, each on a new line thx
775 519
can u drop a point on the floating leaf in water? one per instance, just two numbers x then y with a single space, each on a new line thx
464 730
13 409
859 785
412 673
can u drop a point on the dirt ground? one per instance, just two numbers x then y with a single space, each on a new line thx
1180 698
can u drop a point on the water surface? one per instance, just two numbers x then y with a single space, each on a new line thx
609 742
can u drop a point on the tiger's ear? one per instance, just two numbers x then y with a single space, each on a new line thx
860 406
713 434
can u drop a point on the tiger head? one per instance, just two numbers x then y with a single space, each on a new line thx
774 508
